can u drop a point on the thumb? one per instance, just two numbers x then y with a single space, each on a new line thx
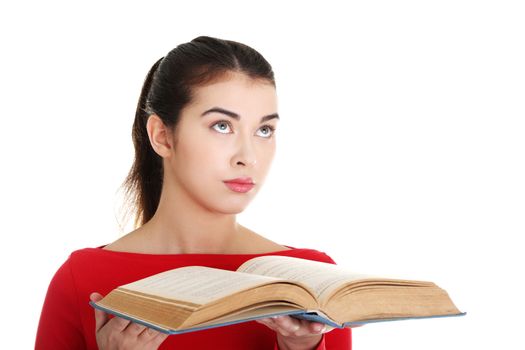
100 316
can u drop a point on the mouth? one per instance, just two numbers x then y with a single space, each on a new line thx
241 180
239 186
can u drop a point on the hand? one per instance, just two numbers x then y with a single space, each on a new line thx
119 333
293 333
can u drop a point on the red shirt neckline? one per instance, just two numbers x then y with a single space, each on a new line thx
134 254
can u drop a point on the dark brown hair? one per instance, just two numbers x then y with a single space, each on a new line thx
166 91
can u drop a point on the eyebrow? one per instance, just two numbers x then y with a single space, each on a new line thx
236 116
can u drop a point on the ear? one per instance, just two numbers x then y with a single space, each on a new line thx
159 136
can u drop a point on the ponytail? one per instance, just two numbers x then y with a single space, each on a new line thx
143 183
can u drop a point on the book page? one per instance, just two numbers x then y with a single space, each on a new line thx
197 284
321 277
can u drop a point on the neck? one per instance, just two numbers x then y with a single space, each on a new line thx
183 226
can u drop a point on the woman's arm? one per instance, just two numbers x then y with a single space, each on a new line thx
59 326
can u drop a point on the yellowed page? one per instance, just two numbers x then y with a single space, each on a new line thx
322 278
197 284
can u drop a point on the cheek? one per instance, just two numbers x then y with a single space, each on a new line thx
267 154
202 157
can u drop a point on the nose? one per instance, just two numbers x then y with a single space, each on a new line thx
245 154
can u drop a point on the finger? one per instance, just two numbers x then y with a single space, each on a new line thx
300 327
134 329
148 334
118 323
101 318
261 322
316 327
158 338
287 325
268 322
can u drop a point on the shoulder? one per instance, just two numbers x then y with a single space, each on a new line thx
85 265
62 288
86 257
79 256
65 274
60 324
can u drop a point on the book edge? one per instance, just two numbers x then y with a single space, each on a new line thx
309 315
377 320
193 329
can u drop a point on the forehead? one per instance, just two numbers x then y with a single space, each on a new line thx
237 91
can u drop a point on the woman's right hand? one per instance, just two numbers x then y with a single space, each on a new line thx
118 333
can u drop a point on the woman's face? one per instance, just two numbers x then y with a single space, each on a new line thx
222 135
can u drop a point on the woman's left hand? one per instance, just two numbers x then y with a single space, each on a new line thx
296 334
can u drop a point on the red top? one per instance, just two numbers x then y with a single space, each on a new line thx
67 320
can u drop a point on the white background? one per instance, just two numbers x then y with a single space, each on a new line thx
400 150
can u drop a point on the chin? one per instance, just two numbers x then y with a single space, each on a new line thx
229 202
233 206
232 211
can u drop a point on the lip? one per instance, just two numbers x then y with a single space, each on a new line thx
240 184
238 187
241 180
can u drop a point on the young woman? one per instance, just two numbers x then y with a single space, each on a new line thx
204 137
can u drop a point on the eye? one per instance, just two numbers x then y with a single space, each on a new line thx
223 125
270 130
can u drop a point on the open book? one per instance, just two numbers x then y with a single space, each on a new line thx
193 298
